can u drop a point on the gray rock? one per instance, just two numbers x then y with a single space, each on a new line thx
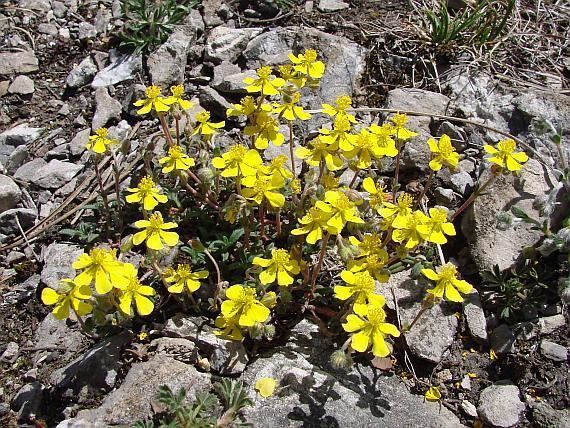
10 354
223 70
10 193
550 324
407 291
106 109
59 8
28 400
502 339
17 136
27 170
103 21
226 44
211 100
416 153
457 135
233 84
55 335
49 29
22 85
131 402
86 31
544 416
469 408
57 259
443 195
64 34
500 405
475 318
4 84
458 180
331 5
82 74
41 5
309 396
489 245
121 68
183 350
21 292
55 174
9 225
226 357
18 62
77 144
167 64
553 351
96 370
17 158
211 8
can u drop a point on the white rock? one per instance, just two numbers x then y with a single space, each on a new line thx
55 174
122 67
18 62
332 5
553 351
87 31
106 109
500 405
22 85
226 44
475 317
82 74
10 193
550 324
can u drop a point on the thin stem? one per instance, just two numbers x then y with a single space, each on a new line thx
292 148
317 268
104 196
246 227
177 121
165 129
397 171
473 196
197 194
118 192
218 273
354 177
278 221
262 220
424 190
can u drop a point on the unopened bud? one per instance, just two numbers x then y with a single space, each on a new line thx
269 331
256 331
206 174
341 360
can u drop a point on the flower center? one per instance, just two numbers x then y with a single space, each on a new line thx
247 296
341 123
405 201
175 152
280 256
260 185
146 184
278 161
439 216
370 243
364 282
310 55
364 141
203 116
102 132
508 146
155 222
98 255
448 272
152 92
343 203
183 272
376 316
343 102
237 153
177 91
264 72
399 120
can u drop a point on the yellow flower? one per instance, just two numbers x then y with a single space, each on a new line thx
339 134
433 394
447 283
443 153
436 226
313 223
101 267
398 129
176 160
409 230
263 187
368 322
146 193
401 210
205 127
153 100
246 107
290 110
295 186
386 144
99 142
265 83
360 287
280 266
134 290
277 167
343 103
238 161
229 328
371 244
377 197
374 264
176 98
266 129
320 151
265 386
330 182
341 209
242 305
505 155
69 296
155 232
364 148
289 74
183 277
307 64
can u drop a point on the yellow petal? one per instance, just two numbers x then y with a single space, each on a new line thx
433 394
49 296
265 386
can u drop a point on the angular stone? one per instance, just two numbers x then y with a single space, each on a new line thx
82 74
122 67
223 70
96 370
331 5
226 44
17 158
87 31
19 135
78 143
22 85
500 405
28 400
10 193
550 324
106 109
18 62
27 170
211 100
55 174
41 5
233 84
10 354
53 334
131 402
502 340
8 224
183 350
544 416
553 351
475 317
58 259
49 29
490 246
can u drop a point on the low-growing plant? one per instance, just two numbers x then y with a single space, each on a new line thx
300 241
203 412
150 22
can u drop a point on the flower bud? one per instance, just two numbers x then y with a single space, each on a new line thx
269 331
341 360
256 331
206 174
